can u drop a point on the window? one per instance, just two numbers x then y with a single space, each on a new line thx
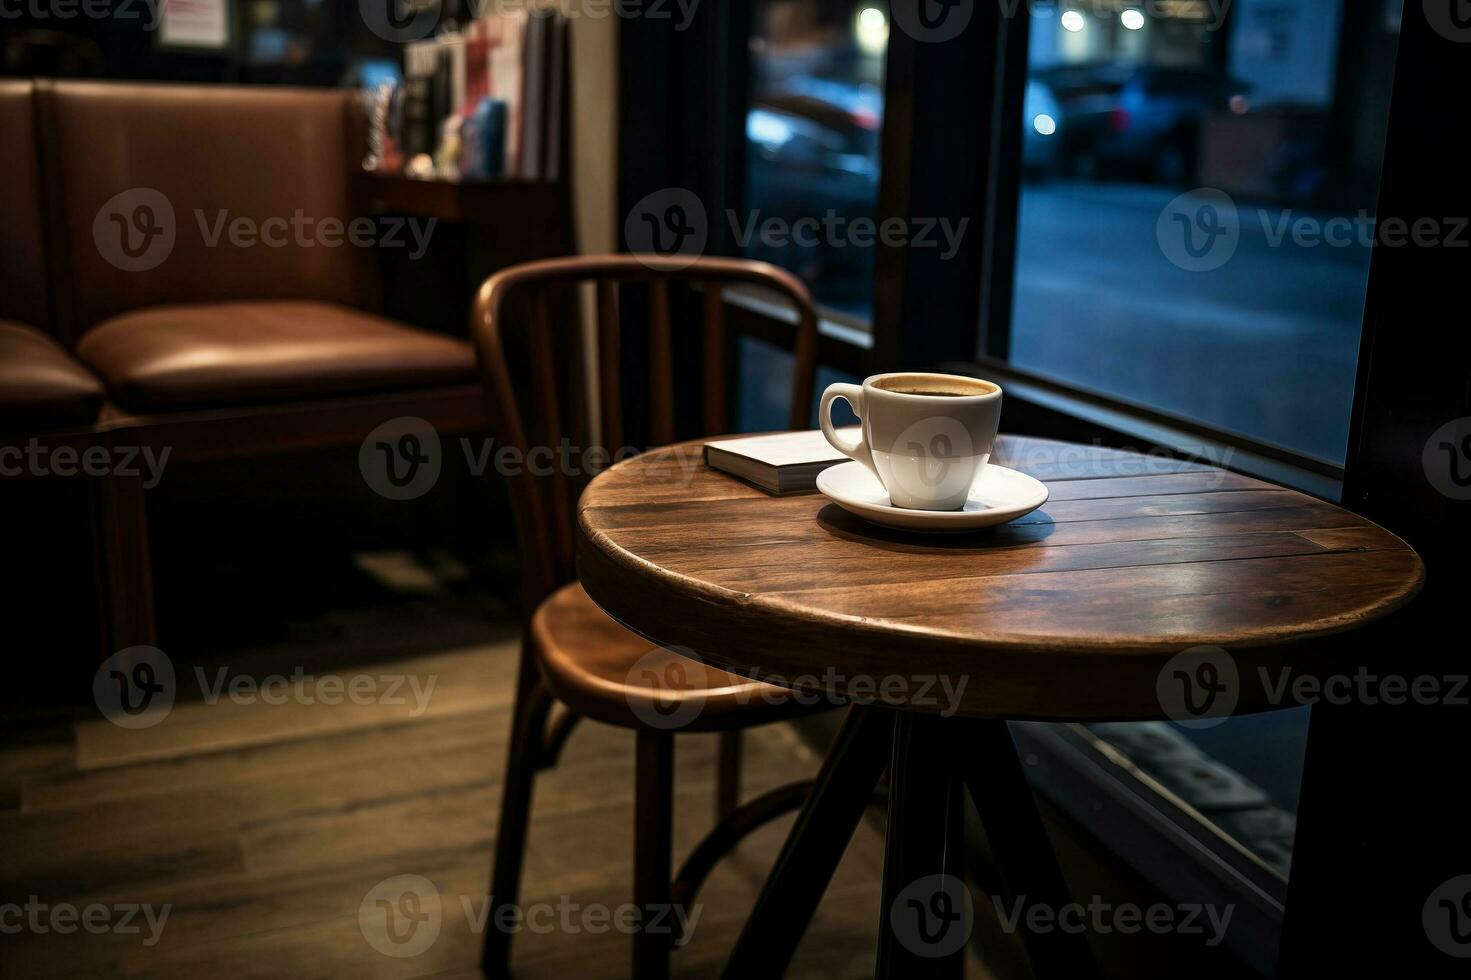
1197 207
812 144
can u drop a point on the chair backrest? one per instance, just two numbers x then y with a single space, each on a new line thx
23 279
545 505
215 154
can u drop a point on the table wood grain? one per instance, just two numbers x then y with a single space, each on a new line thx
1070 612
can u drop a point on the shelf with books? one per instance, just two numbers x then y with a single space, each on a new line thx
505 201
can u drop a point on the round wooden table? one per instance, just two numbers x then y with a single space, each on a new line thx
1145 587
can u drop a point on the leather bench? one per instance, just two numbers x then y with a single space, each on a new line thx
131 316
41 385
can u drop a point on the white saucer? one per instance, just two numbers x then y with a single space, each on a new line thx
999 495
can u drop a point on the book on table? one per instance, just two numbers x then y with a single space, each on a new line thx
787 462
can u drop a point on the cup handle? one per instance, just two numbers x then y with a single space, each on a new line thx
858 448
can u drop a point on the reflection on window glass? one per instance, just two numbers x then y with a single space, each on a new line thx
812 143
1198 205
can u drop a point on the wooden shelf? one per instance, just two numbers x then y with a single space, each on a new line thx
470 201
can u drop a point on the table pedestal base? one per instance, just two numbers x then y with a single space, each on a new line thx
927 915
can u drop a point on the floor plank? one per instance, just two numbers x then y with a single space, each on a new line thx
261 828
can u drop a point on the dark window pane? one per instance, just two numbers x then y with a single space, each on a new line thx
812 132
1195 224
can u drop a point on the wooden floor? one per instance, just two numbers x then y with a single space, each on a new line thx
263 827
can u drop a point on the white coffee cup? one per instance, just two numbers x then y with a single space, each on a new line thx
927 437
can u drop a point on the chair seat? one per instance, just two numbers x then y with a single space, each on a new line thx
603 671
40 383
216 354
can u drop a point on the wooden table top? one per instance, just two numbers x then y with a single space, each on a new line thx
1071 612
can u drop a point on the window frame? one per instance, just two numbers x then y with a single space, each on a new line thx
966 301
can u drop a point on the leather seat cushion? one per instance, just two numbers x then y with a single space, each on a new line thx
40 383
215 354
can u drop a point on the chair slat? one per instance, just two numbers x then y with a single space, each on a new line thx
661 365
545 380
804 368
609 346
715 422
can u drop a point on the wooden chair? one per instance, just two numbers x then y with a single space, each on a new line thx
573 654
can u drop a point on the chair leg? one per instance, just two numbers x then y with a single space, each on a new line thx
533 702
728 775
652 842
124 574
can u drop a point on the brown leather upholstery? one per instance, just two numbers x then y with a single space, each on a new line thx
23 280
40 383
601 670
218 151
176 357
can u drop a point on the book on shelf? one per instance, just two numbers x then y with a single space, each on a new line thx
787 462
451 82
